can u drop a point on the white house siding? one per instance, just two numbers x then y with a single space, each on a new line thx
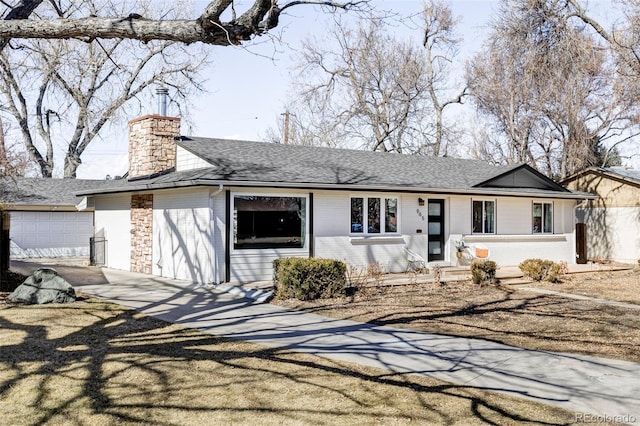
190 230
185 160
513 241
113 222
612 232
50 234
257 264
332 232
182 235
218 206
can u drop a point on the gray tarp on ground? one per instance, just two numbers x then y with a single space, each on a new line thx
44 286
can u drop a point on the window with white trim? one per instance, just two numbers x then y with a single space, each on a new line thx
374 215
542 218
483 217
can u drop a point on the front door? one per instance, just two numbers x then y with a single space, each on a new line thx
435 213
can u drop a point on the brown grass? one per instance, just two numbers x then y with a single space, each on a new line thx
96 363
623 286
510 315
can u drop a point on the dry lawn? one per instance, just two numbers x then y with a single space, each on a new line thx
510 315
623 286
96 363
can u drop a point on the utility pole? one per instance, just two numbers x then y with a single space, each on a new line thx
286 126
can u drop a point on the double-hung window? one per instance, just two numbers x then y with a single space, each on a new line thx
542 218
374 215
484 217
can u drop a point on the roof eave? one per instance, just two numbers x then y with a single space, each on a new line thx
39 207
603 172
139 187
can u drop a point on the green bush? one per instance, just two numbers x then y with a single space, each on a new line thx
309 279
483 272
541 270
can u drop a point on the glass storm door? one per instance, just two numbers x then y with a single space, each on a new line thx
435 213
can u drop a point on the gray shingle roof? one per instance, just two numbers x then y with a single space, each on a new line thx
267 162
246 163
623 172
43 191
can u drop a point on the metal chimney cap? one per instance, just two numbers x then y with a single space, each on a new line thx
162 93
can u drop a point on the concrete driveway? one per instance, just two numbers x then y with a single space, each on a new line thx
587 385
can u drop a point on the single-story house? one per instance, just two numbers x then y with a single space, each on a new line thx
609 225
44 220
214 210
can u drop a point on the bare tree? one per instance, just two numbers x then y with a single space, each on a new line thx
237 26
61 93
367 89
13 161
549 89
623 38
441 47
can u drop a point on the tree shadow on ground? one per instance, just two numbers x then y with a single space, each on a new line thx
536 321
93 361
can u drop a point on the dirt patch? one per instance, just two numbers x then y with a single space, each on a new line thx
508 315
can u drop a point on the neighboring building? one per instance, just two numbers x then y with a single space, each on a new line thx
44 219
612 220
214 210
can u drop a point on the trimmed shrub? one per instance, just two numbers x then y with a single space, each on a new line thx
309 278
483 272
541 270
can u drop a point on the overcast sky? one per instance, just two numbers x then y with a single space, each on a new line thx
247 87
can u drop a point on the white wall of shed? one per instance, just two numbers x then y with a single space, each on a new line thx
113 222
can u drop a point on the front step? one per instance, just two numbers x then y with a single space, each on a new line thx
456 271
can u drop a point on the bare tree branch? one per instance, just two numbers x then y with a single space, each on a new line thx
22 11
262 16
83 86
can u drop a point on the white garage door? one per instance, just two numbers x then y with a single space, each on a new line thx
50 234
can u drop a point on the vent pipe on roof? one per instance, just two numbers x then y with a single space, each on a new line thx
162 93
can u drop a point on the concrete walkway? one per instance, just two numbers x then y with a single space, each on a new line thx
580 383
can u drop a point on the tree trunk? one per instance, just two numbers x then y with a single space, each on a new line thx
4 246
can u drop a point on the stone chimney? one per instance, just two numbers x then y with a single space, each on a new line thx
152 148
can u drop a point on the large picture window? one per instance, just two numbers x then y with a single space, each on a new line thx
268 222
484 217
374 215
542 218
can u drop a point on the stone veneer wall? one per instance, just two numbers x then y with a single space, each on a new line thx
152 148
141 233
